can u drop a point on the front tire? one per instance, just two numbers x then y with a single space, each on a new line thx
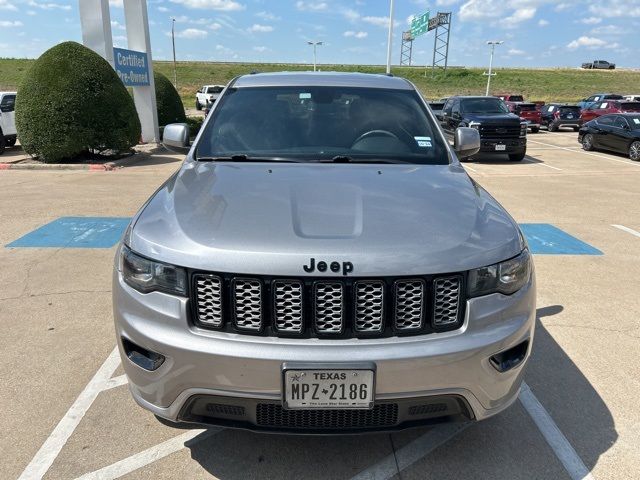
198 106
576 129
634 151
535 129
587 142
10 142
3 142
553 127
517 157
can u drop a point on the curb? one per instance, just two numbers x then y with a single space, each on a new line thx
137 157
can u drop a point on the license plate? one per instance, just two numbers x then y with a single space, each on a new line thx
569 116
328 389
501 148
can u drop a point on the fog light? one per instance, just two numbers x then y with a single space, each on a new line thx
511 358
141 356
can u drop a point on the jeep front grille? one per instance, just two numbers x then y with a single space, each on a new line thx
499 132
334 307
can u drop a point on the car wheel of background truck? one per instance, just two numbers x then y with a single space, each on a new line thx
634 151
10 142
576 129
553 127
198 106
535 129
2 143
517 157
587 142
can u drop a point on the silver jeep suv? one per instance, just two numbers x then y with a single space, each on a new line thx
321 263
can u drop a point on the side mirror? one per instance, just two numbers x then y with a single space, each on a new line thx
175 137
466 142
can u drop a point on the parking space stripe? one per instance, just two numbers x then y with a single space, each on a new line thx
627 229
52 446
148 456
635 164
115 382
572 463
542 164
393 464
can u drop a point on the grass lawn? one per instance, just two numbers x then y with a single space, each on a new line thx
562 85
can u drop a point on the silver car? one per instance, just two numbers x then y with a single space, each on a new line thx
322 263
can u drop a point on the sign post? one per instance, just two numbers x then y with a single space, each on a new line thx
135 66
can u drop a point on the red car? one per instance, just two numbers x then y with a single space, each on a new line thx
606 107
528 112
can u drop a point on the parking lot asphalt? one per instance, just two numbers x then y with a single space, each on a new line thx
67 412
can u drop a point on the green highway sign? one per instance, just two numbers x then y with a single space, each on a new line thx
420 24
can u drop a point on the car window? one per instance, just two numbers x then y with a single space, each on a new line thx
613 97
515 98
634 122
214 89
620 122
630 106
483 105
319 123
527 108
8 103
455 108
606 120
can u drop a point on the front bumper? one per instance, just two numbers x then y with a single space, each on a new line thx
511 146
242 373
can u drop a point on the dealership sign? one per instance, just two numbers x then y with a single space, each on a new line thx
132 67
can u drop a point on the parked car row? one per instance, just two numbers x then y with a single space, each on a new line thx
617 132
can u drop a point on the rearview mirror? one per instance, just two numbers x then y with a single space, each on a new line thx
466 142
176 137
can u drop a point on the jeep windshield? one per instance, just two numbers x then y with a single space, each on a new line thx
484 105
321 124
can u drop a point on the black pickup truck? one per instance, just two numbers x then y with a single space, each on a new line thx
500 131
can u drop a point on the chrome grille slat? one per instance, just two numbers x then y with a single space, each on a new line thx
369 306
410 299
446 302
208 291
329 307
287 302
248 303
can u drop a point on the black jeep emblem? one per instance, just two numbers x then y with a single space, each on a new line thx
335 267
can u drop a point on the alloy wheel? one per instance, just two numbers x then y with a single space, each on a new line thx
634 151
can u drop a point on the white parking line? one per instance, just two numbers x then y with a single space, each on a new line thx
572 463
627 229
635 164
148 456
52 446
115 382
542 164
393 464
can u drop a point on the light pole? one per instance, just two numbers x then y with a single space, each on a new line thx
173 42
315 44
390 38
493 44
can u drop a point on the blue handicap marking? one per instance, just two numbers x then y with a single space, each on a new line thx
547 239
76 232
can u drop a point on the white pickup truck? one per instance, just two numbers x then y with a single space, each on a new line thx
207 94
8 133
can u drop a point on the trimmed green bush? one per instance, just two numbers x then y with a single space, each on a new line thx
170 108
72 102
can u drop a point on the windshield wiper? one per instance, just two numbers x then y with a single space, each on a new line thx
243 158
348 159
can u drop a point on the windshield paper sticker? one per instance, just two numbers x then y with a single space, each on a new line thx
423 141
636 121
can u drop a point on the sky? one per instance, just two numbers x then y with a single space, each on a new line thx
536 33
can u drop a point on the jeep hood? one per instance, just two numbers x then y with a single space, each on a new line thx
271 218
493 118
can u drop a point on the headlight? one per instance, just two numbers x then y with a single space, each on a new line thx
149 276
475 125
523 129
506 277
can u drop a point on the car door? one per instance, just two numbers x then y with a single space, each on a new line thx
8 114
620 136
456 116
601 130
